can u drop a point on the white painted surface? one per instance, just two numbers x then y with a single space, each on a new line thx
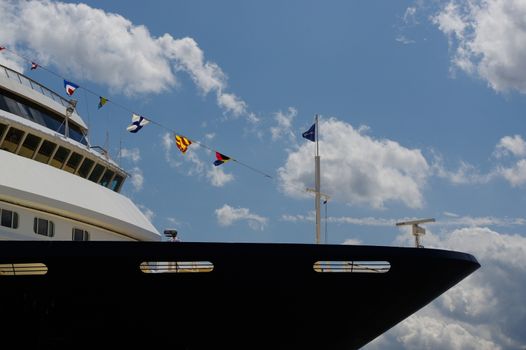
41 187
28 93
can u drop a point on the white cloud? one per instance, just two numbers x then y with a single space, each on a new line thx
511 144
191 164
114 51
150 215
465 174
253 118
232 103
516 146
488 38
410 15
364 221
352 241
284 124
515 175
137 178
218 177
477 221
468 174
451 220
485 311
427 332
174 221
404 40
12 62
356 168
132 154
298 218
227 215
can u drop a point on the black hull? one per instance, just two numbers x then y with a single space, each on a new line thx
258 295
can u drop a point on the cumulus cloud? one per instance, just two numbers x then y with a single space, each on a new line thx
515 175
357 168
191 164
284 124
137 178
485 311
488 38
150 215
133 154
115 52
464 174
227 216
218 177
514 145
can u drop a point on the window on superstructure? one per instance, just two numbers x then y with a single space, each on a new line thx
73 162
3 128
29 146
12 139
80 235
105 181
44 227
8 218
85 168
29 110
60 157
45 151
117 183
96 173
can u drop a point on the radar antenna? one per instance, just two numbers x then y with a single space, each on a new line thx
416 230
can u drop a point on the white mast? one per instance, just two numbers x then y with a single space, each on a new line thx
317 183
69 111
316 189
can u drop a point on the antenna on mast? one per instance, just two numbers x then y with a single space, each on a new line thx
417 231
107 144
69 111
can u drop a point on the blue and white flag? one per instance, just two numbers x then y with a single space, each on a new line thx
138 121
70 87
310 134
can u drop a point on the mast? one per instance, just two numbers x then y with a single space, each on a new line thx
317 183
69 111
317 177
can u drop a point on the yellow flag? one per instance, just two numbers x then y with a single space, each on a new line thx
182 143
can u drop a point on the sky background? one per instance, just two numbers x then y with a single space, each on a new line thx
421 108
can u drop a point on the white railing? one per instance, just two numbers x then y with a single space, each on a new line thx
30 83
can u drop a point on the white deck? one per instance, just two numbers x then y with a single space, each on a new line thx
38 186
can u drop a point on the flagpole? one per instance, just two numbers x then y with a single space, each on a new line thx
317 183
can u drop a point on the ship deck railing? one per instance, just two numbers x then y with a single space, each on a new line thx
30 83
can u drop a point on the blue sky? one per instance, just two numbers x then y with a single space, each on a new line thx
421 110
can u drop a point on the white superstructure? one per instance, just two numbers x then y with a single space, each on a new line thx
55 187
